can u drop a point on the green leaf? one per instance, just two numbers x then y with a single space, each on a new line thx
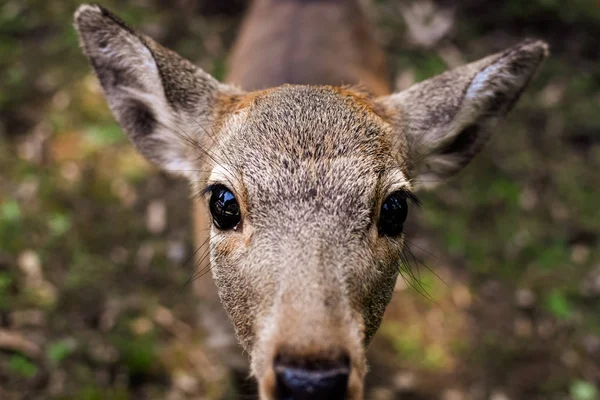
5 281
59 224
22 366
558 304
582 390
10 211
59 351
555 255
138 353
99 136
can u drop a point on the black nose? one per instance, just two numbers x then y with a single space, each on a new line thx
314 381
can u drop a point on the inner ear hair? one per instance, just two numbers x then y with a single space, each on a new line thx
164 102
443 122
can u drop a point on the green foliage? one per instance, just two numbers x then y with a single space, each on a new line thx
58 351
22 366
583 390
569 11
558 304
405 340
99 136
220 69
10 224
138 353
97 393
427 65
10 212
555 255
411 347
6 280
59 224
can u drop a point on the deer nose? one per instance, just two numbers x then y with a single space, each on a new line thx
314 381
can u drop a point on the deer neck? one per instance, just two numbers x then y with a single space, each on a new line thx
314 42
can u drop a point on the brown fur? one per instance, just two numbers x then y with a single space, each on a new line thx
327 42
306 277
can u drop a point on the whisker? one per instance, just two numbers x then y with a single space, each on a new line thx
414 281
216 143
199 259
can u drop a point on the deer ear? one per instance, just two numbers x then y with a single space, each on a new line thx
441 123
164 103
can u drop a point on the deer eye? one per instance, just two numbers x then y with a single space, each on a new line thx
394 211
224 208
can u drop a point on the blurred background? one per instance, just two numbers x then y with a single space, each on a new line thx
504 298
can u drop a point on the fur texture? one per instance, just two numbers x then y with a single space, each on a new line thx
447 119
306 277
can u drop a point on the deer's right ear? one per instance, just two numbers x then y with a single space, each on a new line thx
164 103
442 123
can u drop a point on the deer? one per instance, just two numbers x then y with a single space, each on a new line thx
303 167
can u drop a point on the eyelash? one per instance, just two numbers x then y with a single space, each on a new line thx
210 189
412 197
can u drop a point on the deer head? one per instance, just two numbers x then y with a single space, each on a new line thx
308 188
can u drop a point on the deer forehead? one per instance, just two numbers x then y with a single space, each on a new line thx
303 122
297 143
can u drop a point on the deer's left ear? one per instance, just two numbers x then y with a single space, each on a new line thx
165 104
441 123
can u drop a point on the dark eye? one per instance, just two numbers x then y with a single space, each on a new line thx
224 208
394 211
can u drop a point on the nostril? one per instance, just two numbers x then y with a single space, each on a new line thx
315 381
301 384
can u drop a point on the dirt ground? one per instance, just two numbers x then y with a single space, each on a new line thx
502 299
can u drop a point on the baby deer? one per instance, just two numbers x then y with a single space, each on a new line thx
308 185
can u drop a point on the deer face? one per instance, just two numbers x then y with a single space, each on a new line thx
308 189
308 255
